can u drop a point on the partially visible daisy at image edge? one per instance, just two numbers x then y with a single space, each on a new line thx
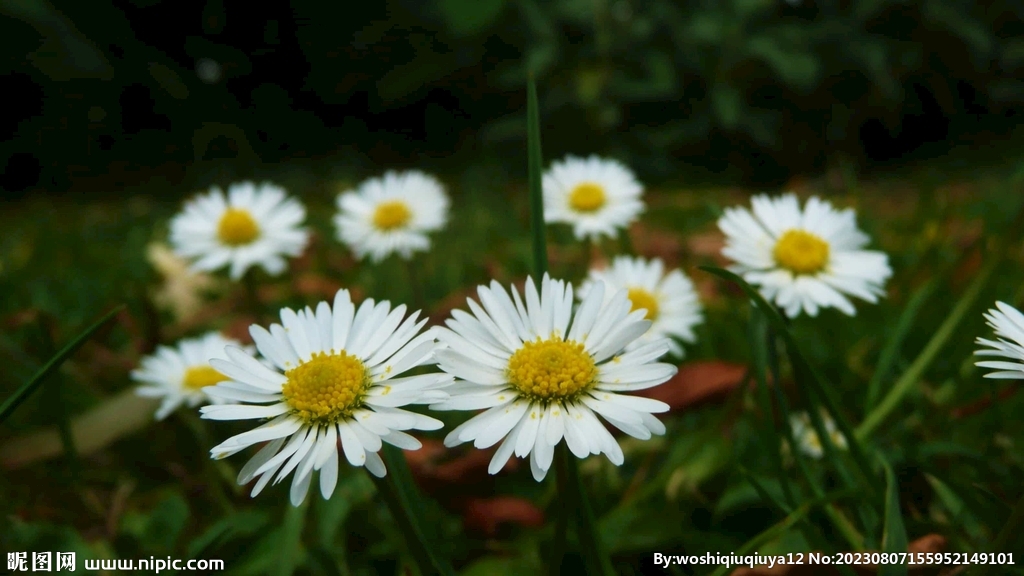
543 373
803 259
335 379
670 300
807 437
1008 324
254 224
179 374
392 214
597 196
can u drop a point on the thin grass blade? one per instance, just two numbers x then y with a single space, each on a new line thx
887 358
912 376
813 380
534 169
26 390
894 537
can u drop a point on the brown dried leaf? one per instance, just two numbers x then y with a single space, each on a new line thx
456 300
654 243
708 244
238 328
316 286
488 514
698 383
982 404
436 466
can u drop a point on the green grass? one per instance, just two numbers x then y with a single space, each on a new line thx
714 483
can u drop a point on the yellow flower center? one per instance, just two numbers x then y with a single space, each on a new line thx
587 197
552 369
392 214
801 252
327 388
237 227
198 377
643 299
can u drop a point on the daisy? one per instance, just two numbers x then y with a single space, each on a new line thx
391 214
670 299
807 437
1008 323
334 377
595 195
544 373
803 259
252 225
182 288
179 374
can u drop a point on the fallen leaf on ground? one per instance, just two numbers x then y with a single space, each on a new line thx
982 404
316 286
488 514
708 245
698 383
654 243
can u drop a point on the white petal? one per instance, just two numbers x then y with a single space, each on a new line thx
329 475
355 453
242 411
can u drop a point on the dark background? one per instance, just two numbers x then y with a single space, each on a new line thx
104 95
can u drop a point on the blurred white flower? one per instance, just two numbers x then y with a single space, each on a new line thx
803 259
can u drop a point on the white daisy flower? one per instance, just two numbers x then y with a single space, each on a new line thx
595 195
542 380
1008 323
179 374
803 259
807 437
252 225
335 377
670 299
391 214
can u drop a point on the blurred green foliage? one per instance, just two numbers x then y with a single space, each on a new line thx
757 86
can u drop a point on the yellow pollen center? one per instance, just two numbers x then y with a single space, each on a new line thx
551 369
643 299
198 377
391 215
587 197
801 252
237 227
327 388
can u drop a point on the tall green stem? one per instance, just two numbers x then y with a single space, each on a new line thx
401 497
569 483
534 169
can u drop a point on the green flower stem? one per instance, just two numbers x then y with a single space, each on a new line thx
402 499
841 523
568 483
251 294
562 456
594 552
291 539
759 357
412 285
